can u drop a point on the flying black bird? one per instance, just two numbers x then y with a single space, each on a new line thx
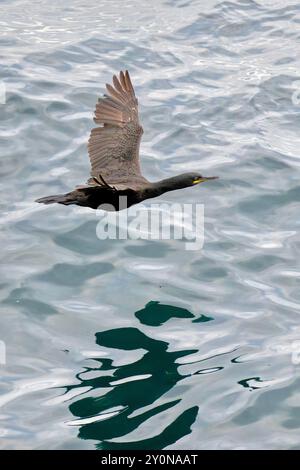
114 155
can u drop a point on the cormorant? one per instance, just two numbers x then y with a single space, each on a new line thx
114 155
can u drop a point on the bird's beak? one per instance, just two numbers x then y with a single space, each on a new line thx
204 178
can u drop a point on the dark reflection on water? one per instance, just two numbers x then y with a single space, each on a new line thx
155 314
154 374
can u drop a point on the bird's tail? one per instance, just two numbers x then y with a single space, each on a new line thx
58 198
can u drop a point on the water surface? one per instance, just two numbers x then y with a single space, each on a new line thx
122 344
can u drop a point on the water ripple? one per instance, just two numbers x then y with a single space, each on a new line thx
122 344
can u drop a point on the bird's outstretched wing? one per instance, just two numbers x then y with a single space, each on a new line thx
114 147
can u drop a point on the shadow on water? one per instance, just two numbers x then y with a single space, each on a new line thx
132 387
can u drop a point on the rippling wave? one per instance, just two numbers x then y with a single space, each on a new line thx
119 344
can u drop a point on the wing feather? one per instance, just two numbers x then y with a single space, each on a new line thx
114 147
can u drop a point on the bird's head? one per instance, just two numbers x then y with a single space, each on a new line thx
190 179
181 181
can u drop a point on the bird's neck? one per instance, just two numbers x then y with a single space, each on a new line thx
168 184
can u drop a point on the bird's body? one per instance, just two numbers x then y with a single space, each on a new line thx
116 180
